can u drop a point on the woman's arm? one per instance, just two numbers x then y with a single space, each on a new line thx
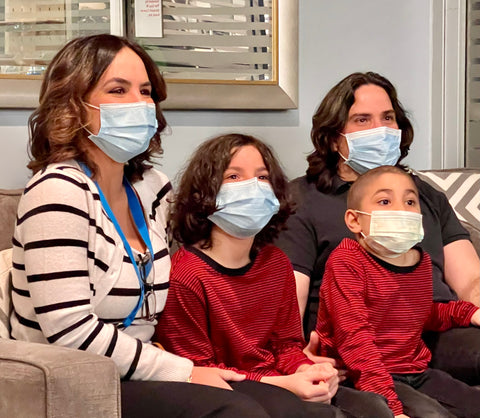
58 217
462 270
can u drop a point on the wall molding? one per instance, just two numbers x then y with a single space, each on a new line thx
448 83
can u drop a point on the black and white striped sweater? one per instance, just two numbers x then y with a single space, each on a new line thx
73 281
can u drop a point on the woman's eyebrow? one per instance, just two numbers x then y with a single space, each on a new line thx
117 80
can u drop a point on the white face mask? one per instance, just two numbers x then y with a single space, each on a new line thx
393 232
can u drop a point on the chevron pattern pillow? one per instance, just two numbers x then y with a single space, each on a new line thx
462 188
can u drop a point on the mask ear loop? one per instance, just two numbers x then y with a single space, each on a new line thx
362 213
341 155
338 151
93 107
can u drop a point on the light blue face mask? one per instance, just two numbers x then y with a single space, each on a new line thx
244 207
125 129
372 148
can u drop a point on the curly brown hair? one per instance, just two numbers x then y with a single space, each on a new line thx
201 181
330 119
56 126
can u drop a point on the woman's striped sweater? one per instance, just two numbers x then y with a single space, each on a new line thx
73 281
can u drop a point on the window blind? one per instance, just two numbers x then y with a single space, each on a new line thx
213 40
472 105
32 31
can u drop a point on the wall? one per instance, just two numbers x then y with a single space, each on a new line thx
336 38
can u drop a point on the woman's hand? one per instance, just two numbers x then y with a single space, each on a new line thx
213 376
402 416
309 385
311 351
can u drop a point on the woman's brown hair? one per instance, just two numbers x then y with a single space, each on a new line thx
57 125
330 119
201 181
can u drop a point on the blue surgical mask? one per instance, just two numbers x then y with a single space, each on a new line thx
372 148
244 207
125 129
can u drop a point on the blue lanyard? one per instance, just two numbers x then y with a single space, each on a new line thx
139 219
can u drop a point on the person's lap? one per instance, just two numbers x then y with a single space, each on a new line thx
453 395
418 405
143 399
457 352
361 404
280 402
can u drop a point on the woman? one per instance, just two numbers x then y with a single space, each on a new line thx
91 257
360 124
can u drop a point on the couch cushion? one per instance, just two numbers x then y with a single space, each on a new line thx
462 188
8 208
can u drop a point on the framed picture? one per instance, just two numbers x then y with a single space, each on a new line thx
214 54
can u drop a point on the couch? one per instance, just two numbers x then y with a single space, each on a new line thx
38 380
462 187
47 381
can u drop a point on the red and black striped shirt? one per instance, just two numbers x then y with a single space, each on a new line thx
372 315
244 319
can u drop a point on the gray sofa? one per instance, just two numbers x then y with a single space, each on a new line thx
462 187
46 381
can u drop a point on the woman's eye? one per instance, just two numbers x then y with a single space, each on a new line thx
146 92
264 177
232 177
118 90
411 202
384 202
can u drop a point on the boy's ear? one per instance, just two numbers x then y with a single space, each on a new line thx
351 220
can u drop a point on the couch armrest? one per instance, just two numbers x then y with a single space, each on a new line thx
48 381
8 208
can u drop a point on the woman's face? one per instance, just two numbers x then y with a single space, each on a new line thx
246 163
124 81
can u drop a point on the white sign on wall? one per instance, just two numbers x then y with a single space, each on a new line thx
148 19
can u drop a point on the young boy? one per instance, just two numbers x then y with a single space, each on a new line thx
376 300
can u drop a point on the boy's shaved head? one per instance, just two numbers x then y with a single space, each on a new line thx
357 190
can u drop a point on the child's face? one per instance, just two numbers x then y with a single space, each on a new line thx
390 191
246 163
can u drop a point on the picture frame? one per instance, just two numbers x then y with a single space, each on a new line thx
280 92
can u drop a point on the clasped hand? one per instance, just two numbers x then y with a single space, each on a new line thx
316 382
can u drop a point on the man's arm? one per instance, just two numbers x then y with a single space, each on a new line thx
462 270
303 284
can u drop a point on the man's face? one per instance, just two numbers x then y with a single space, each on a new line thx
372 108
